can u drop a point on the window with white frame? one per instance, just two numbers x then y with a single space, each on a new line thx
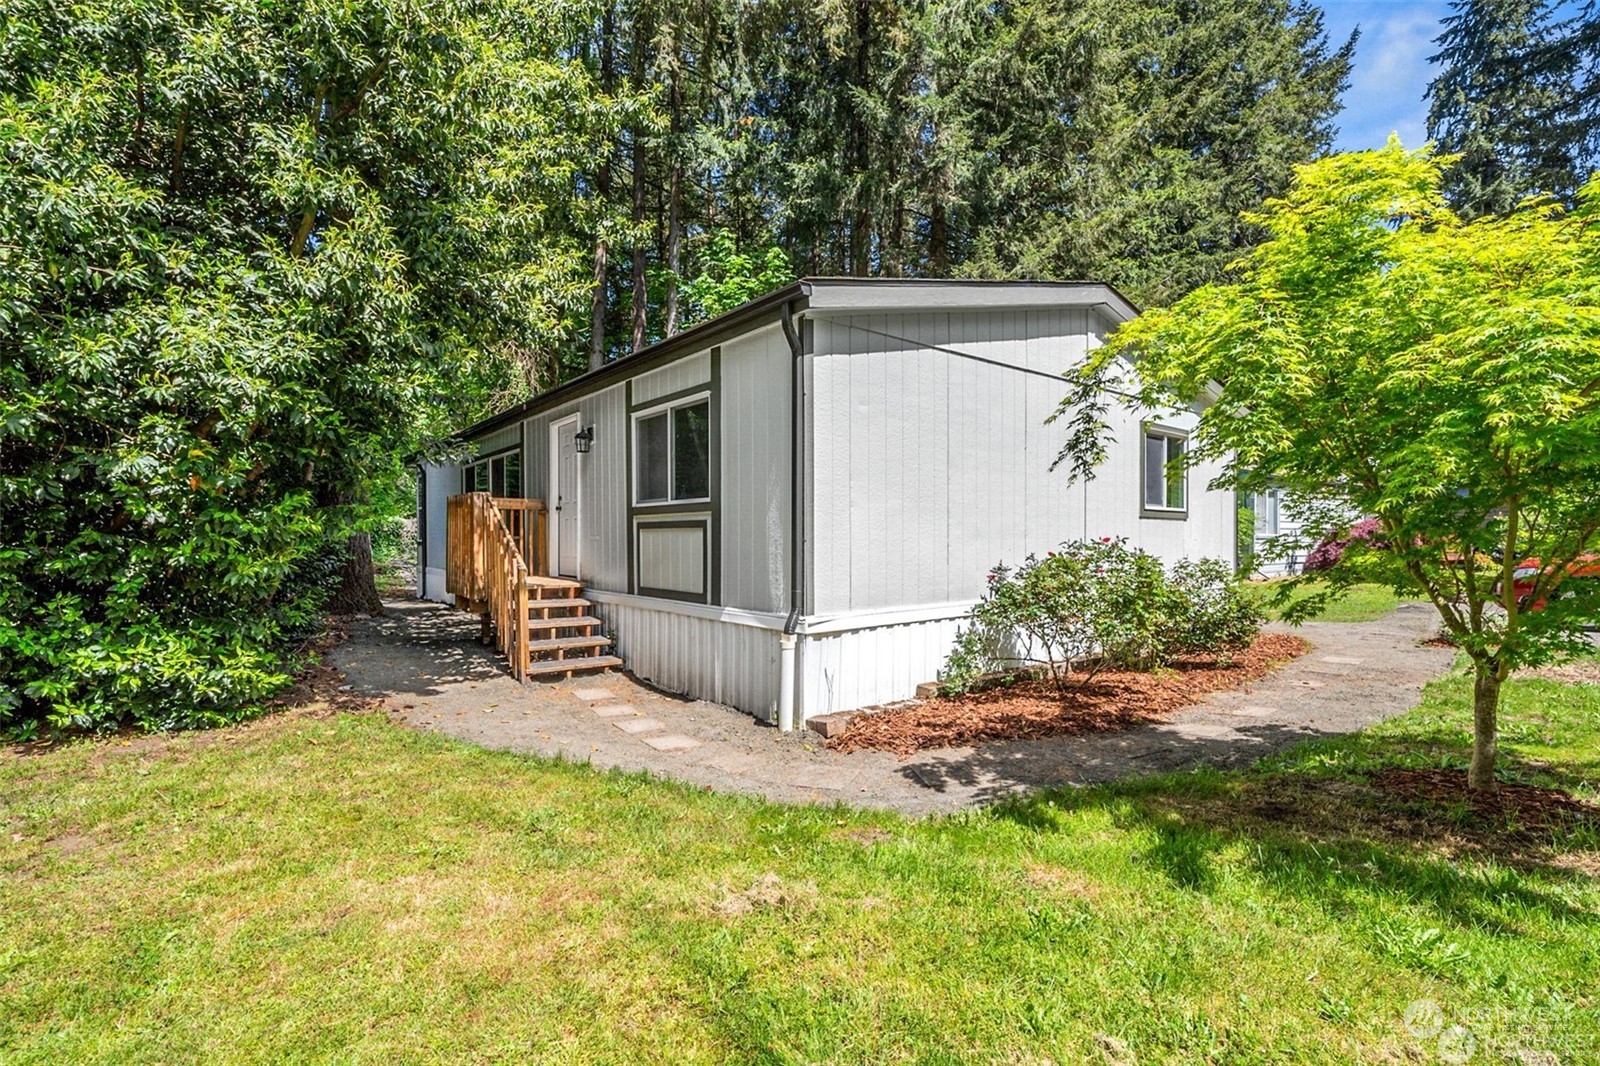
1268 509
1165 479
672 453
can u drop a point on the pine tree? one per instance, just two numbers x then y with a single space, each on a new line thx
1507 103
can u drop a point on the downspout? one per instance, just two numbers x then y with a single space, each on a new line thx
787 664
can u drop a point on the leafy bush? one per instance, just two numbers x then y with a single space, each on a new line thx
1211 613
237 282
1330 552
1100 600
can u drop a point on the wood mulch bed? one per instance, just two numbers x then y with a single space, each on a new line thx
1527 806
1033 710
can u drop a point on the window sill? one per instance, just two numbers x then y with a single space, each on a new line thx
1165 514
671 506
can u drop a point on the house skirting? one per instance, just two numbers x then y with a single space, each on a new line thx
842 661
433 586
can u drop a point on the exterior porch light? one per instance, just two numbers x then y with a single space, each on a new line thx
584 439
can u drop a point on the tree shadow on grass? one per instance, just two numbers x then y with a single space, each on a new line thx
1340 840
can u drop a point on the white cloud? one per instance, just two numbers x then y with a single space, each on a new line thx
1391 72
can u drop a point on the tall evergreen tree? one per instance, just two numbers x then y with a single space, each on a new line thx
1507 102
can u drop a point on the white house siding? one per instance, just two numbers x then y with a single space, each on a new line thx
929 468
755 372
685 373
878 664
440 481
1268 563
602 482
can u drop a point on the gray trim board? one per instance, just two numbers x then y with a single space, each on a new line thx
702 523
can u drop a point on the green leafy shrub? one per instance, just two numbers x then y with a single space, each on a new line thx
1101 602
249 256
1211 613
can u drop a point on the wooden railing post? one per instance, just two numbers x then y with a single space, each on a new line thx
493 547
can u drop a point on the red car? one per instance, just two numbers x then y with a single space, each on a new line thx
1585 567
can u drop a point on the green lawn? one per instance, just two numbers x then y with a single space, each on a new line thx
341 889
1363 603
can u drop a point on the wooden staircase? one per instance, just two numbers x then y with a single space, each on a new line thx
496 567
563 637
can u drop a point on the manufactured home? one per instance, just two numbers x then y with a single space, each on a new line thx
791 508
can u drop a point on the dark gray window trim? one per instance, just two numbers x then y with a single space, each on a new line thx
702 523
522 459
656 513
663 405
1167 514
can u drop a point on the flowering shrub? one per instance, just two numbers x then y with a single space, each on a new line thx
1100 600
1327 555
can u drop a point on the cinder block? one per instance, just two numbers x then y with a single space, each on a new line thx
829 725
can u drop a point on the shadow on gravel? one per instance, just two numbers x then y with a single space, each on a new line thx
997 771
425 650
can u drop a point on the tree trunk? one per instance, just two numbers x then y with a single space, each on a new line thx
938 240
602 180
674 208
1485 727
357 592
641 291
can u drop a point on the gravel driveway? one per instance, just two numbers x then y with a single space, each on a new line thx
423 661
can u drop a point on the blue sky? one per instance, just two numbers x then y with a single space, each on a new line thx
1391 68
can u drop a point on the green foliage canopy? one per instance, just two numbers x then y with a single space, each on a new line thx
249 254
1379 356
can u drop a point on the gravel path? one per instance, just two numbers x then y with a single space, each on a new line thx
423 661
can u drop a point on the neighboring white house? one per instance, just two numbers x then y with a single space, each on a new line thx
791 508
1278 551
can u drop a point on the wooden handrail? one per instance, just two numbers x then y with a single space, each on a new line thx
489 543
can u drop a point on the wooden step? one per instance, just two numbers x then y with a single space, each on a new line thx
567 643
569 622
554 584
572 602
556 667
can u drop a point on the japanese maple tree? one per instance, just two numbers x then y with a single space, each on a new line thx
1378 356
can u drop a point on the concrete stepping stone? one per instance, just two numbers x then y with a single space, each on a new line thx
671 742
1343 660
593 694
615 710
732 762
825 778
638 725
1203 730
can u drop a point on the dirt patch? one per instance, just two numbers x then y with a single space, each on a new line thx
866 837
1586 672
1059 879
768 892
1034 710
1523 806
319 690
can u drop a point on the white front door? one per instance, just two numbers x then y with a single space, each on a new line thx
563 502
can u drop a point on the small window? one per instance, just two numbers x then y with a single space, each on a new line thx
672 454
1267 508
505 475
480 477
1165 482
